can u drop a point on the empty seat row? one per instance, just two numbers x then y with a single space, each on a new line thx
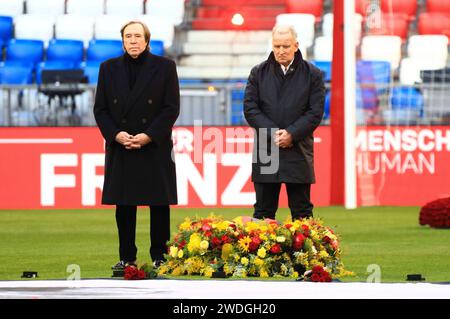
173 9
79 27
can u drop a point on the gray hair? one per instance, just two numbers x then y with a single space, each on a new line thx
283 29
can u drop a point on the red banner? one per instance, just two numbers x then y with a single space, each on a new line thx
63 167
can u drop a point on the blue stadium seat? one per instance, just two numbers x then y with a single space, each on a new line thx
70 51
157 47
374 72
91 71
325 67
15 74
406 106
366 98
53 65
407 97
326 113
25 51
102 50
6 28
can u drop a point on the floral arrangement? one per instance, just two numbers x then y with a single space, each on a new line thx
303 249
436 213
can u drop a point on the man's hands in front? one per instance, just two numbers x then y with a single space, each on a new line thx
283 139
132 142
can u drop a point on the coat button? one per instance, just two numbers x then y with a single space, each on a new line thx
124 121
150 101
115 101
144 120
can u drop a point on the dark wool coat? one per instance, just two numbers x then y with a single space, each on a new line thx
145 176
294 102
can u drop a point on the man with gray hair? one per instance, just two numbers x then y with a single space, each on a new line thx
284 103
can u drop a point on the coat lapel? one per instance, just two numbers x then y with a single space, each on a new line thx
142 82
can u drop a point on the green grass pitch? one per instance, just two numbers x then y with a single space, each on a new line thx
47 241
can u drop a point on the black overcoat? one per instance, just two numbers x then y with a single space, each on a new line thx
294 102
144 176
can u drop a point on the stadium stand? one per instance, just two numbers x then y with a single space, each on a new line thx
11 8
75 27
15 74
34 27
405 7
6 29
45 7
398 44
85 7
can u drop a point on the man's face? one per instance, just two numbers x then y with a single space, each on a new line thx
284 47
134 40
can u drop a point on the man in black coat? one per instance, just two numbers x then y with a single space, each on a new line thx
284 103
136 105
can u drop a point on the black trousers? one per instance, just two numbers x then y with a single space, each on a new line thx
159 231
267 195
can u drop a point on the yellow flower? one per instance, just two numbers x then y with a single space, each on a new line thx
323 254
208 271
204 245
263 273
222 226
173 251
259 262
186 225
262 252
244 261
273 236
250 226
227 249
244 243
263 237
281 239
194 242
180 254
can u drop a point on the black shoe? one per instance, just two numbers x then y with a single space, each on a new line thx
158 263
121 265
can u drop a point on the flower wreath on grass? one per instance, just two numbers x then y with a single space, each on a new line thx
436 213
246 247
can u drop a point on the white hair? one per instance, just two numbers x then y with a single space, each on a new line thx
283 29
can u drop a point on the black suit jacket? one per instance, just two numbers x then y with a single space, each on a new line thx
145 176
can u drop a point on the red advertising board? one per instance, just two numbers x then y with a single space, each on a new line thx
63 167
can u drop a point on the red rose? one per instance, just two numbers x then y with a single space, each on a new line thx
206 227
226 239
208 234
305 230
299 240
275 249
182 244
315 278
254 244
326 239
141 274
216 242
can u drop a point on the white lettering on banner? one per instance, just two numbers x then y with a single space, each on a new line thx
233 194
407 140
183 141
50 181
89 180
373 163
205 187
